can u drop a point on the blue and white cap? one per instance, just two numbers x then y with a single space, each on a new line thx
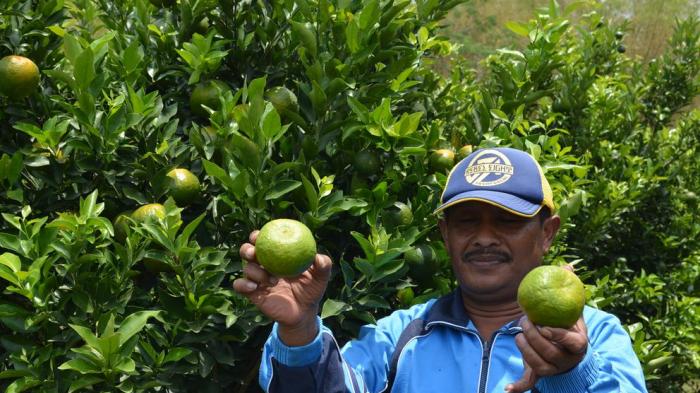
504 177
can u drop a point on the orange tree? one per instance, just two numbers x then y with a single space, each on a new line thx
95 299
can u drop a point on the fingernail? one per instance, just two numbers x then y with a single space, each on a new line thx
251 286
249 254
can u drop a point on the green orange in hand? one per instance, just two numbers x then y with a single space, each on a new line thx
285 248
552 296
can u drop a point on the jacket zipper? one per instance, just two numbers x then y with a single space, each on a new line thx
485 360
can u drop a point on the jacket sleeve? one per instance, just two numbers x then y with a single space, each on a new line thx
321 366
610 364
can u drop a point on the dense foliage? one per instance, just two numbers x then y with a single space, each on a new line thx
329 112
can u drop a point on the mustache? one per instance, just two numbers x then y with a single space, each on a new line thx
504 256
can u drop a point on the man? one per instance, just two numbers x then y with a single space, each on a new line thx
498 223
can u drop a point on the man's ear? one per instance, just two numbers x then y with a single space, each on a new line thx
550 227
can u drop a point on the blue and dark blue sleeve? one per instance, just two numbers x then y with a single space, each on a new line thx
361 366
315 367
610 364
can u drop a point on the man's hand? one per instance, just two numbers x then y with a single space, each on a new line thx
292 302
548 351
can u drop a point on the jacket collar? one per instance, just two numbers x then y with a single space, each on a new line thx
448 309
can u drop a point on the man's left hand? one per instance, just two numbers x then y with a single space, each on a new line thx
548 351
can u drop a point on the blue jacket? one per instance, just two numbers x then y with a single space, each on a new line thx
447 356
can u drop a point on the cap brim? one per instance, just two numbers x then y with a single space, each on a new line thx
511 203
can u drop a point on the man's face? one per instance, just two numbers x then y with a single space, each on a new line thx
492 250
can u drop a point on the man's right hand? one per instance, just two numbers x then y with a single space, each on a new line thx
292 302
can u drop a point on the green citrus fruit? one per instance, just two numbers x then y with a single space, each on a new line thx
19 76
464 151
207 93
552 296
150 212
405 296
202 26
282 99
422 260
183 186
442 159
121 225
398 215
366 162
285 248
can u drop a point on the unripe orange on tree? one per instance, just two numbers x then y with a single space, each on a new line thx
398 215
121 226
285 247
282 99
19 76
422 261
366 162
464 151
552 296
442 159
183 186
149 212
207 93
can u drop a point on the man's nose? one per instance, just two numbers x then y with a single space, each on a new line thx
486 235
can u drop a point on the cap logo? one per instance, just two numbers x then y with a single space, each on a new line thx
489 168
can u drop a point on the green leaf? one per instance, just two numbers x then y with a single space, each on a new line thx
84 72
11 261
190 228
71 48
220 174
89 207
126 365
176 354
84 382
319 101
369 16
80 365
306 35
352 36
373 301
311 194
271 122
280 188
359 109
134 323
85 333
109 345
332 308
518 28
22 384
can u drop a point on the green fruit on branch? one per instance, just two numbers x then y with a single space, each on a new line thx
442 160
150 212
19 76
183 186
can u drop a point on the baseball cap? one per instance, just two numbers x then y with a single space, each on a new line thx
505 177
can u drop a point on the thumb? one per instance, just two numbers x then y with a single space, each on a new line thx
321 268
573 341
526 382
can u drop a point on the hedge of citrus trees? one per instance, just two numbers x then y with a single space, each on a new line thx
161 133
